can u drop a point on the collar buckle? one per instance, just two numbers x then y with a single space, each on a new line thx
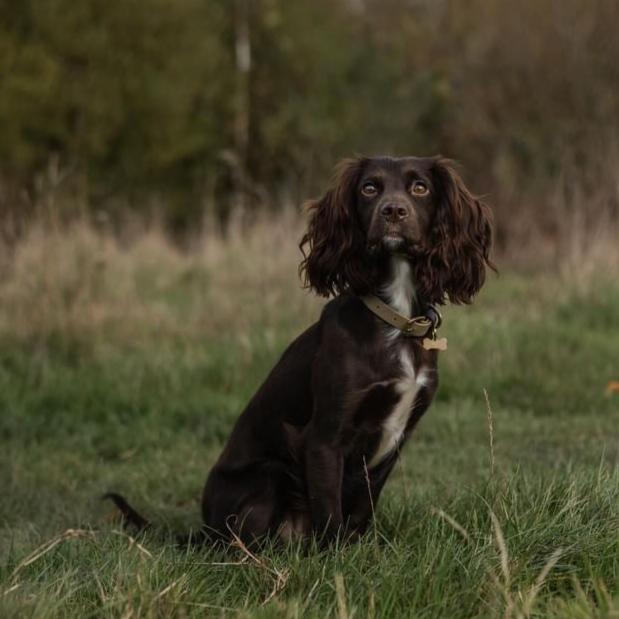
417 326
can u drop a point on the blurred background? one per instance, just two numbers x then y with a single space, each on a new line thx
154 156
190 111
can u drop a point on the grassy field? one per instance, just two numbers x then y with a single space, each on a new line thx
124 364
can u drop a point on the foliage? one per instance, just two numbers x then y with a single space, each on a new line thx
144 104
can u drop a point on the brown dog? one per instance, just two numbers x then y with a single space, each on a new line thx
312 450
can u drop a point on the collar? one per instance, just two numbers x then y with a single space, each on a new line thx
417 326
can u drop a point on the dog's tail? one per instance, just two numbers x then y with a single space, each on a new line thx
129 515
132 518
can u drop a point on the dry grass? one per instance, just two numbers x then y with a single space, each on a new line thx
570 229
78 281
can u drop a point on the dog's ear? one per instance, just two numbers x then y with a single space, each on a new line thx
334 254
460 238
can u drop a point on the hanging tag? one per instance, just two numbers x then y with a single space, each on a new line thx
440 344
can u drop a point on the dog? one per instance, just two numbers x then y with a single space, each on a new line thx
391 239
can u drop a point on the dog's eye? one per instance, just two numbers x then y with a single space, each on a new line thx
369 189
419 188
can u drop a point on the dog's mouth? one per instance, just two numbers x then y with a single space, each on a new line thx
394 238
395 243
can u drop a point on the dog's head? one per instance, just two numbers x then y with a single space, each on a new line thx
411 206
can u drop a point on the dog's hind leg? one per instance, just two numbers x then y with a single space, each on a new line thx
244 505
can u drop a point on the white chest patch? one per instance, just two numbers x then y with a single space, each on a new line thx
395 423
400 290
400 293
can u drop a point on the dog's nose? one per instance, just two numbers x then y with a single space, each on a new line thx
394 212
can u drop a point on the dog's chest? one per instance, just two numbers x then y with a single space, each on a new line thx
395 421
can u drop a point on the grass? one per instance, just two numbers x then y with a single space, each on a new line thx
123 366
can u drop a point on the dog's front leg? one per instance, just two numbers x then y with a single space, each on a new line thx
323 470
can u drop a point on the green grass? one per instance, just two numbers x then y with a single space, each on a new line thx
142 405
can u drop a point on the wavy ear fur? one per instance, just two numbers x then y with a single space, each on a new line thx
458 248
336 260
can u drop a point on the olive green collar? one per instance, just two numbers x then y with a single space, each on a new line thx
423 326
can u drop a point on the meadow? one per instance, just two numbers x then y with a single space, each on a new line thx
124 362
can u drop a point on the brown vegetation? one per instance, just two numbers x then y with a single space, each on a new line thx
79 282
